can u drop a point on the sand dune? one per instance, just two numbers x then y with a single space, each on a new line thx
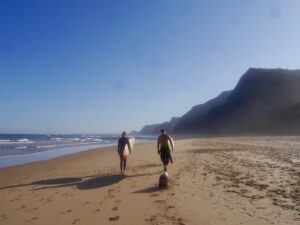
212 181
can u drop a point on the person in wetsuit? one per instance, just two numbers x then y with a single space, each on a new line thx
163 148
123 141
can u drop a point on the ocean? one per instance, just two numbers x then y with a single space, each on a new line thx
16 149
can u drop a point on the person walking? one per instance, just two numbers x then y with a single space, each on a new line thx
163 148
122 142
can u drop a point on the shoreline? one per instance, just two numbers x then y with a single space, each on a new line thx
10 161
17 160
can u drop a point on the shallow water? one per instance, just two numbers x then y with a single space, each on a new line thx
16 149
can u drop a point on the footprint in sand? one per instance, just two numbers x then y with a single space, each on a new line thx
4 217
111 196
154 195
67 211
75 221
114 218
32 219
211 195
86 203
153 219
33 209
248 214
117 201
180 221
96 211
115 208
160 201
261 207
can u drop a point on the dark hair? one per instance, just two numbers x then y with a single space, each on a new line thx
123 134
162 131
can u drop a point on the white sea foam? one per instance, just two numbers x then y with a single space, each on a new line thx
46 146
21 147
24 140
97 139
20 141
56 139
4 142
74 139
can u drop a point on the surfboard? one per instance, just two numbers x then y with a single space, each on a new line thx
131 142
170 145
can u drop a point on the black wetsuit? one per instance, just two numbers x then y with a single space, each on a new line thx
165 155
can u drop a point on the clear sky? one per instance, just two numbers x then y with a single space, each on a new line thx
103 66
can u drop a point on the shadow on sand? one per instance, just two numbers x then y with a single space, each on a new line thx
99 182
56 181
149 190
82 183
65 180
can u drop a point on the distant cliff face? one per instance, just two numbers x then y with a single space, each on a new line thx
191 121
264 102
154 129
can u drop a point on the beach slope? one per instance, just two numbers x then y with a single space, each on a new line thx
246 180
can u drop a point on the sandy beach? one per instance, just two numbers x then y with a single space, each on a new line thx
217 181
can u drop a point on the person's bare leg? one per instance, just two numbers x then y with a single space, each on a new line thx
121 166
125 162
165 168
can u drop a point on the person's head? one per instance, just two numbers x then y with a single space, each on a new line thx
123 134
162 131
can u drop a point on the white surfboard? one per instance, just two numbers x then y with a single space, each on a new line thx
170 145
131 142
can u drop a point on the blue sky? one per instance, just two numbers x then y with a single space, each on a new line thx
70 66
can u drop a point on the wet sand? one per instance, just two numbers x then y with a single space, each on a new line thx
246 180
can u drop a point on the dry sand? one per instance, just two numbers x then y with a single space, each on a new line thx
217 181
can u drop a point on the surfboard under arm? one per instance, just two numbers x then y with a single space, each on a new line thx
171 144
131 142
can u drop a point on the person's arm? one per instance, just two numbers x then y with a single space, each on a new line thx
119 144
158 142
129 146
171 143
